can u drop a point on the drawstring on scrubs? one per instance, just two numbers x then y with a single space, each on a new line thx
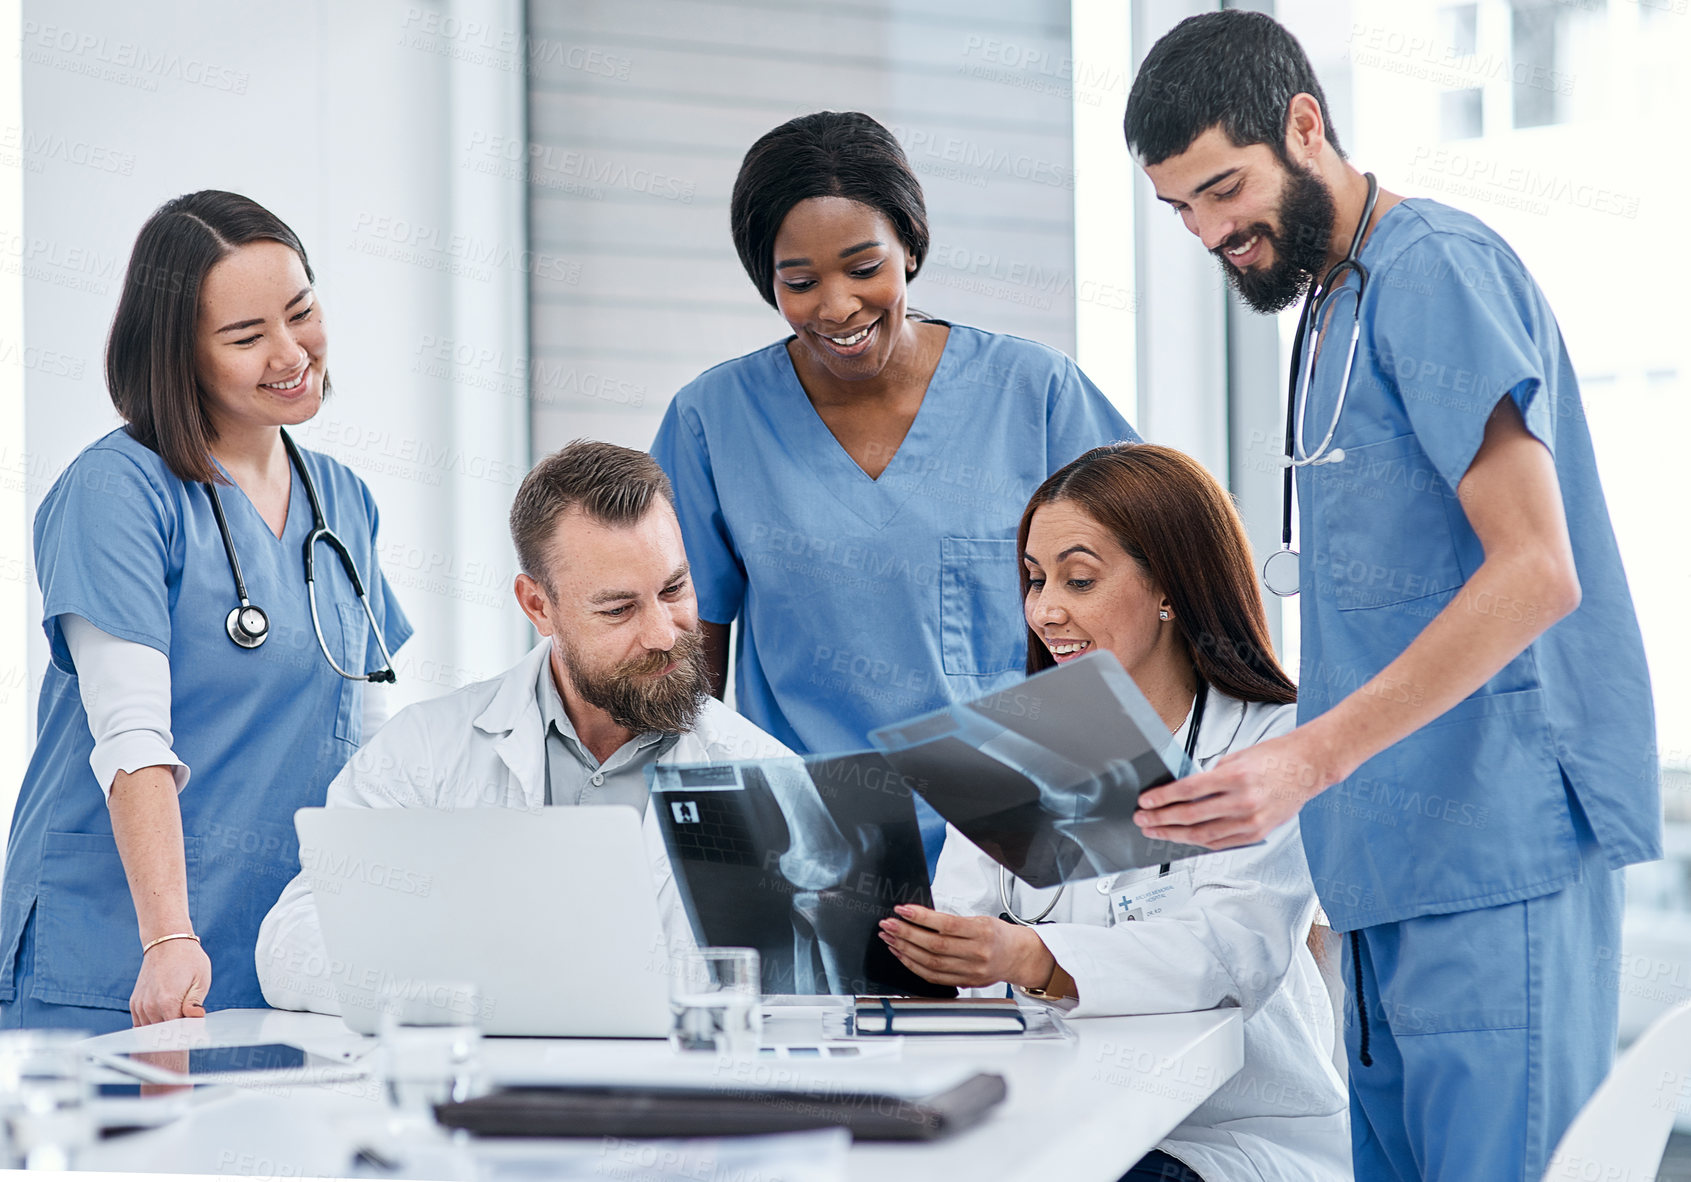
1362 1054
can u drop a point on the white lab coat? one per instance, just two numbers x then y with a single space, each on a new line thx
1233 936
482 746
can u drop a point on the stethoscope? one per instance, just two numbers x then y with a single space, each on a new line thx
1009 912
1280 569
249 626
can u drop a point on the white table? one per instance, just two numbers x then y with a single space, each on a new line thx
1075 1111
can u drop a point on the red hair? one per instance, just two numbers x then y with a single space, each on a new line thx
1180 526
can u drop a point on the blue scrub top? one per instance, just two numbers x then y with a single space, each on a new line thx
863 602
120 541
1475 809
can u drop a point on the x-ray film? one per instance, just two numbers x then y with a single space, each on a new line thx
800 859
1045 776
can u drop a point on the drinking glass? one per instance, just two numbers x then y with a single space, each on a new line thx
430 1046
44 1090
714 1001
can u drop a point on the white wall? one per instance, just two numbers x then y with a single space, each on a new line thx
337 117
15 689
1108 295
1182 356
642 111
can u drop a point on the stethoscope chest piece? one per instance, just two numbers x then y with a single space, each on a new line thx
1280 572
247 626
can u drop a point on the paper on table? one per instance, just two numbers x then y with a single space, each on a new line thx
816 1156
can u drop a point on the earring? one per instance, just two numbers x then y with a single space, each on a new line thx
1162 615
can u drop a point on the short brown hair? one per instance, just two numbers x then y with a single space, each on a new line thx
1176 521
150 352
612 485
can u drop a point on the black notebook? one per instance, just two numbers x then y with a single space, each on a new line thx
963 1015
714 1112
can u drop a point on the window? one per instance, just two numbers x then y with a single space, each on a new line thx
1462 109
1563 116
1461 114
1460 25
1555 59
1532 48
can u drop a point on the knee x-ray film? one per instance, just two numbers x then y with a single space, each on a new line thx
1045 776
800 859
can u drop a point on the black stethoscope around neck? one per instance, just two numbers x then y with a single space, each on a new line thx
1199 701
249 626
1280 572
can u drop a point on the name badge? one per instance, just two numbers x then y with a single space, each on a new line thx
1151 897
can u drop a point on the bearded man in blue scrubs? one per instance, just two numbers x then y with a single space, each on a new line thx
1476 757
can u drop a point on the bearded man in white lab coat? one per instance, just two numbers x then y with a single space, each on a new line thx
617 683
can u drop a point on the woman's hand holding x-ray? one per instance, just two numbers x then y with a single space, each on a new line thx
967 950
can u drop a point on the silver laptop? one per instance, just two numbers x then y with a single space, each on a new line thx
553 915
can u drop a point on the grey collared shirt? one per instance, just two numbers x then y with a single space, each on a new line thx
573 776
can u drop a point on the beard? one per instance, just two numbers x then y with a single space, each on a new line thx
1306 217
637 700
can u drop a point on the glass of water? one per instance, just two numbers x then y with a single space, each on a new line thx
44 1089
714 1001
430 1046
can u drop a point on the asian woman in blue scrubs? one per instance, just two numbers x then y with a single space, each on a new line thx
154 827
850 494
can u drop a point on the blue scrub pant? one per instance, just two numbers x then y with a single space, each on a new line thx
28 1013
1487 1030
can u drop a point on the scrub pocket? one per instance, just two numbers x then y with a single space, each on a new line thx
355 635
87 948
1379 496
982 632
1470 811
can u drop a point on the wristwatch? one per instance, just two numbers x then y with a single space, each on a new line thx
1061 986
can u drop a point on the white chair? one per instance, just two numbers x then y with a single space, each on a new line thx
1327 946
1623 1129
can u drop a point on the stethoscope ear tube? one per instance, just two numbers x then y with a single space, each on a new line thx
328 538
385 673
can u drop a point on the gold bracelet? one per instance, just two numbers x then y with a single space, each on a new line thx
151 944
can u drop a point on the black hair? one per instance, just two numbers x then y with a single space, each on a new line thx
150 353
828 154
1233 69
